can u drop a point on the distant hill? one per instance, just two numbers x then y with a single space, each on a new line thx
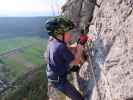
19 26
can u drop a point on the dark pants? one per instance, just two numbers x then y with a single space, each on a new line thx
68 89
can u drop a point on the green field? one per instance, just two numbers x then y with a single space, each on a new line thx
28 58
10 43
25 67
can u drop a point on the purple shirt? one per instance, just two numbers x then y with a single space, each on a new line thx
59 57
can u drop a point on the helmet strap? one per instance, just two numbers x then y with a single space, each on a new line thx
59 39
63 37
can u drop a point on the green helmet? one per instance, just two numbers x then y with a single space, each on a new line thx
58 25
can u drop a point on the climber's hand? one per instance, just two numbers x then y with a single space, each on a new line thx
75 68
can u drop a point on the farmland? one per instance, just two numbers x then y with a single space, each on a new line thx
27 58
22 68
18 57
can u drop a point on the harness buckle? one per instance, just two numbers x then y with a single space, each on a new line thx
54 80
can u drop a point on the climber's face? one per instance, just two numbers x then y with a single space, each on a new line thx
67 37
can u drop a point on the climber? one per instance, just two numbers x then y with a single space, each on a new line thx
59 57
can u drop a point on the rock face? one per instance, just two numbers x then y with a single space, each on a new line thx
112 62
79 11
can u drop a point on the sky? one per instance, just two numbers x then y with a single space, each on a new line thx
30 7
